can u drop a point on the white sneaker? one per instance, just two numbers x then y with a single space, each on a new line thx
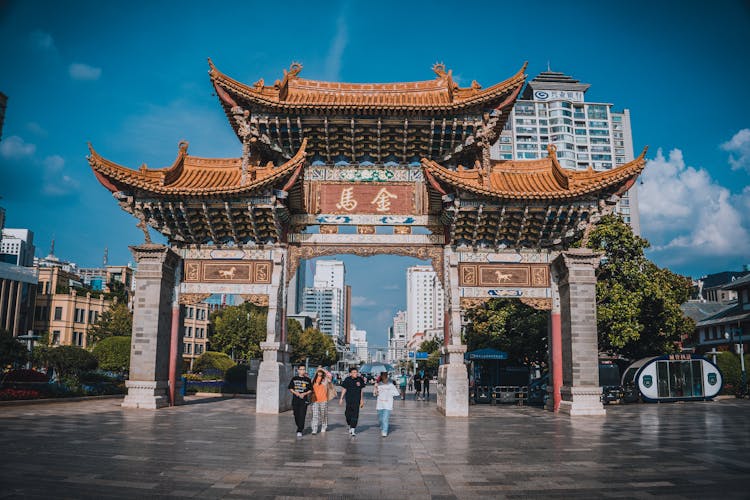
323 429
384 434
299 434
354 433
314 432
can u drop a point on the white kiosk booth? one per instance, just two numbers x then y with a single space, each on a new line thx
674 377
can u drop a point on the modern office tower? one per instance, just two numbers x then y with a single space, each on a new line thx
296 290
17 247
553 110
326 302
424 300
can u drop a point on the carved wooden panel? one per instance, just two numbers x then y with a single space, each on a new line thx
228 271
377 198
500 275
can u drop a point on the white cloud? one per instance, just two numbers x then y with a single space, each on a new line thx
36 129
358 301
15 147
56 181
336 49
739 145
80 71
42 40
688 216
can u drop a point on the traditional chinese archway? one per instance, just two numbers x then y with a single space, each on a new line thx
408 166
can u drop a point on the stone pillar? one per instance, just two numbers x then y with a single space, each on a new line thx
555 349
453 378
574 271
275 371
152 319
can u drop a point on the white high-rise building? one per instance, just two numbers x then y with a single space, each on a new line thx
359 344
552 110
397 338
327 298
424 300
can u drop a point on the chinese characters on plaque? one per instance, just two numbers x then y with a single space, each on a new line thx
499 275
377 198
228 271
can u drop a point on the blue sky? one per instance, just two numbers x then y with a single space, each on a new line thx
132 79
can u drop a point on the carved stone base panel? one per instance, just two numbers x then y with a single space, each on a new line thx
453 390
274 373
581 401
147 394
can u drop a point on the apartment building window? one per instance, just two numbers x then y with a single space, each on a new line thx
198 348
188 348
78 338
55 340
597 112
80 316
188 331
190 312
93 316
58 313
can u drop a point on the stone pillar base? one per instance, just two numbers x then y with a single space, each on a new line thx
274 374
581 401
148 394
453 383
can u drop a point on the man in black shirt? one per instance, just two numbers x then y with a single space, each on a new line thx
300 387
352 391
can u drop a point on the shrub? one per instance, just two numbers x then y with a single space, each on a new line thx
66 360
237 375
15 394
113 354
729 364
23 375
213 360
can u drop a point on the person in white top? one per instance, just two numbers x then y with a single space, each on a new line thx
385 391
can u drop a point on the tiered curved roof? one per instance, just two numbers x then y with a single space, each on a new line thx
295 94
542 179
194 176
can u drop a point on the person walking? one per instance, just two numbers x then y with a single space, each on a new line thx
385 391
300 386
351 390
426 387
417 386
402 381
321 390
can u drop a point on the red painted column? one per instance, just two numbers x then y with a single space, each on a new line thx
556 348
173 354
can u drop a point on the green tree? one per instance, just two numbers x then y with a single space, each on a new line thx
113 354
511 326
314 344
117 321
239 330
12 350
432 347
638 303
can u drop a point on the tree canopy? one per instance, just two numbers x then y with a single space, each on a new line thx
311 343
638 303
117 321
511 326
113 353
12 351
239 330
432 347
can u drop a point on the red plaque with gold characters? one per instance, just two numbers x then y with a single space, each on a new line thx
228 271
376 198
504 275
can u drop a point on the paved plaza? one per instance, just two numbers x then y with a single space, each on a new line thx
220 448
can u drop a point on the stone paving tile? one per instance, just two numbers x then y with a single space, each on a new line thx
222 449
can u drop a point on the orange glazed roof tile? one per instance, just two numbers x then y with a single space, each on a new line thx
293 92
192 175
542 179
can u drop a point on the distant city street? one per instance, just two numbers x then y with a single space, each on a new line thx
221 449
